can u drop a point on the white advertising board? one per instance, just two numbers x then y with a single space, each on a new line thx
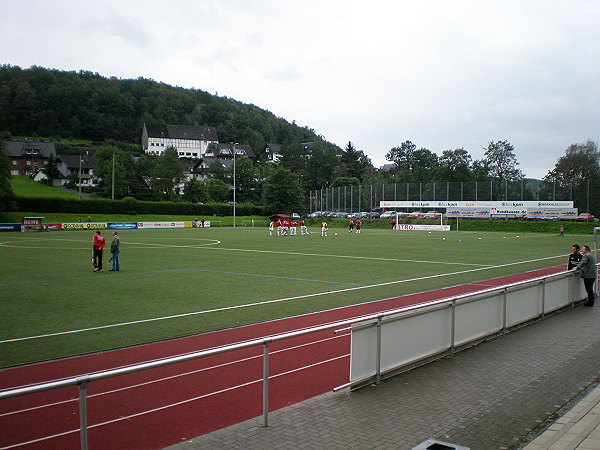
411 227
149 225
478 204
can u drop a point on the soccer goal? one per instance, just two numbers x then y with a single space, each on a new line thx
255 223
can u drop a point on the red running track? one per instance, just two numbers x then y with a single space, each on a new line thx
160 407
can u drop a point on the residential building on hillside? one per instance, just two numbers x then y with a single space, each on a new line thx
225 151
190 141
271 153
73 164
202 166
28 157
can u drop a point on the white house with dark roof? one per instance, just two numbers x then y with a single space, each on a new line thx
190 141
271 153
225 151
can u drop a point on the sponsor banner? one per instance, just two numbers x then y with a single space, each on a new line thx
53 226
478 204
84 226
200 224
150 225
10 227
122 225
188 224
411 227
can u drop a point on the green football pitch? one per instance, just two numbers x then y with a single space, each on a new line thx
186 281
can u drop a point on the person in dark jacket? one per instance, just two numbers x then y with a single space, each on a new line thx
574 257
587 266
115 249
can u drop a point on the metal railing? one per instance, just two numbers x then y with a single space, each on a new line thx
342 325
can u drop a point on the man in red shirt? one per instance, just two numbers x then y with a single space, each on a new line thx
350 226
358 224
277 225
99 243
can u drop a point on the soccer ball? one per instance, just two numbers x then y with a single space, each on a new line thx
335 234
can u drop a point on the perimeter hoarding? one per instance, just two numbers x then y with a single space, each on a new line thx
476 204
122 226
153 225
10 227
411 227
85 226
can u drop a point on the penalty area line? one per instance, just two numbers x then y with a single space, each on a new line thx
267 302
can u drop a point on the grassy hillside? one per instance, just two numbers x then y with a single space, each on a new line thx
25 187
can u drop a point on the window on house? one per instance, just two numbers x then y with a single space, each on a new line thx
14 162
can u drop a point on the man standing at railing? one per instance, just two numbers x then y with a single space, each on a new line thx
574 257
587 265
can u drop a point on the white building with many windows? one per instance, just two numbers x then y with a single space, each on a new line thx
190 141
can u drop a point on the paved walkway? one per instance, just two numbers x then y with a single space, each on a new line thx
497 395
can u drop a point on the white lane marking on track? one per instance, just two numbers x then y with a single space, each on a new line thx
266 302
158 380
183 402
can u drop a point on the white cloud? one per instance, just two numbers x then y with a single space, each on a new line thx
442 74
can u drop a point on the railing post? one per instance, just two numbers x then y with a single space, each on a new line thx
543 298
83 414
266 384
378 353
453 328
504 311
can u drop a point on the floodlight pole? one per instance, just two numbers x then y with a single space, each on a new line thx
233 148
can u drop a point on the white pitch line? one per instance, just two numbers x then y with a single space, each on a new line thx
350 257
280 300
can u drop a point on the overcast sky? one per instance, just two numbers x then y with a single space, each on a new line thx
443 74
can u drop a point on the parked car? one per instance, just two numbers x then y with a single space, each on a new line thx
585 217
417 215
432 215
388 215
295 216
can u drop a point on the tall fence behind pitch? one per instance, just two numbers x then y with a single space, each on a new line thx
585 194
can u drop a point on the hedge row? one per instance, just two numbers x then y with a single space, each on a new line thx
131 206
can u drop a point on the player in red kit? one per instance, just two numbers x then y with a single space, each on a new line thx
99 243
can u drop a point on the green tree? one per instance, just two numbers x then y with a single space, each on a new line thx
454 165
282 192
107 158
245 180
218 190
576 176
51 169
345 181
195 191
167 175
501 161
216 170
5 187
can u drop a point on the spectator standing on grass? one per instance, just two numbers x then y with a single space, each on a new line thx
115 249
587 266
561 230
98 247
574 257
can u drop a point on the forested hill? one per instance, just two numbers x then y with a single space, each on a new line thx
43 102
